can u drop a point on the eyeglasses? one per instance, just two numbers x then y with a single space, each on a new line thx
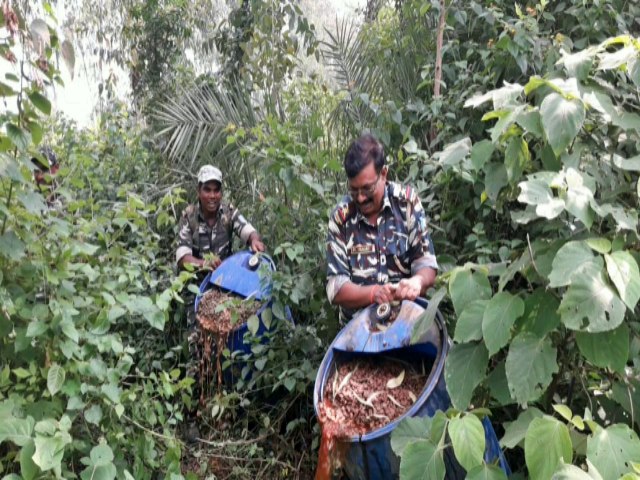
367 190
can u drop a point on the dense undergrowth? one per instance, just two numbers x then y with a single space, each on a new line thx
527 165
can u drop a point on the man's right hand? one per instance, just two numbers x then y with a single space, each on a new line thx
382 293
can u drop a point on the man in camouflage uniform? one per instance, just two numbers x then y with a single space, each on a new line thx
204 240
378 246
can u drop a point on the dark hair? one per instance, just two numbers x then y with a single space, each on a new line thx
49 157
362 152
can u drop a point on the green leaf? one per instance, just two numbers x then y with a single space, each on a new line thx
469 324
50 450
499 316
540 313
408 431
422 460
425 321
562 119
101 455
623 272
515 432
41 102
17 430
537 193
55 378
481 153
498 385
11 246
612 449
20 138
571 472
591 304
69 56
495 179
463 371
28 469
454 153
32 201
486 472
546 444
578 197
600 244
112 392
253 324
606 349
531 123
466 286
531 363
574 260
467 437
515 158
93 414
40 33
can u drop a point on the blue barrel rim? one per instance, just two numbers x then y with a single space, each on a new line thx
430 384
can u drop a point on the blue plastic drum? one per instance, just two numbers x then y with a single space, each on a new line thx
369 456
246 275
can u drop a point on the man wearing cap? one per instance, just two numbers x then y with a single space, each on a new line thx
206 228
378 246
204 240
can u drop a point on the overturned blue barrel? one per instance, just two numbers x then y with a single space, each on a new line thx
369 456
247 276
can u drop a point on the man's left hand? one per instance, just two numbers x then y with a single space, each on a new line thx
409 288
256 244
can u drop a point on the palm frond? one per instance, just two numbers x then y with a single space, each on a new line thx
196 124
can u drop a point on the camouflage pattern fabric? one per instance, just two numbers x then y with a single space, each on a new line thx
365 254
197 238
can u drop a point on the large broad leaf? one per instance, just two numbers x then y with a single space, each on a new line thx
537 193
546 445
454 153
612 449
531 363
515 432
55 378
41 102
578 197
498 385
469 324
623 272
571 472
19 137
408 431
515 158
467 437
625 219
16 430
11 246
481 153
50 450
592 305
606 349
574 260
499 316
486 472
422 460
540 313
495 178
466 286
28 468
562 119
464 369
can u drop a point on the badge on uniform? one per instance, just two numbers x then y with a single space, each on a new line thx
362 249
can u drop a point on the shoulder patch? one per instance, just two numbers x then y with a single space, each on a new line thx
189 211
343 212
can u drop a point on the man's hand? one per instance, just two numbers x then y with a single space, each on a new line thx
382 293
255 244
211 262
408 288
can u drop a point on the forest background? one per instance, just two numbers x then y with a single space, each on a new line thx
517 123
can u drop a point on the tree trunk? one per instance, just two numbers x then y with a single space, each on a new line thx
438 72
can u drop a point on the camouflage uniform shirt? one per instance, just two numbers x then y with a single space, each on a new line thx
197 238
365 254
